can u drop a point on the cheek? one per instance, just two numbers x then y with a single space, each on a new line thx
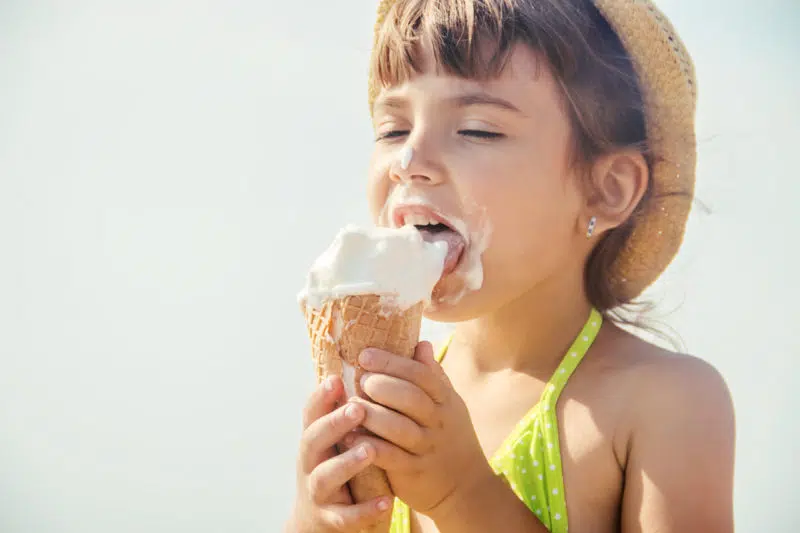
533 216
378 185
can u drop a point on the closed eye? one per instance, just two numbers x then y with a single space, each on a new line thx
393 134
481 134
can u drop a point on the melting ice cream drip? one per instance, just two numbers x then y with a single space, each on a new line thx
348 371
477 231
349 379
405 157
479 239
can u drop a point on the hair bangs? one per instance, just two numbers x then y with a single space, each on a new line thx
466 38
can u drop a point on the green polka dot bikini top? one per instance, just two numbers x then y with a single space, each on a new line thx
529 459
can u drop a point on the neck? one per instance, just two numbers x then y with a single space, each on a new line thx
529 334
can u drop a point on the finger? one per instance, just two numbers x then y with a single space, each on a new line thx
323 400
392 426
411 370
400 395
423 353
387 455
318 439
360 516
331 475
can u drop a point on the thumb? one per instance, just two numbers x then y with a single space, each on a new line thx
424 354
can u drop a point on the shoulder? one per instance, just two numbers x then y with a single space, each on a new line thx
677 441
661 392
678 388
652 375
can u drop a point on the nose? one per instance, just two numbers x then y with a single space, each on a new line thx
416 164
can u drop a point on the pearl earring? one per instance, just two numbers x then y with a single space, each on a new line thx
590 229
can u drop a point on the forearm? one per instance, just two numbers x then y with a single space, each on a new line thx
489 506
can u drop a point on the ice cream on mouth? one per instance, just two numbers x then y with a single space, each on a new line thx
434 228
466 239
397 264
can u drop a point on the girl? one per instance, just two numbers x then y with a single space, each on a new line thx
551 144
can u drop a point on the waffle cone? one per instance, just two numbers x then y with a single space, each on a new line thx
339 332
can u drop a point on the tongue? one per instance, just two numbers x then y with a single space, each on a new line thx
455 246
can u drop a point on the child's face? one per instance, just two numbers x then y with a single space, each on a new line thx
512 187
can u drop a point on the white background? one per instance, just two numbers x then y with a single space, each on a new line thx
168 170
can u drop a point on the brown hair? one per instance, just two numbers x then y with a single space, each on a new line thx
474 39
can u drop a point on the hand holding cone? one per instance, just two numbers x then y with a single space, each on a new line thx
339 332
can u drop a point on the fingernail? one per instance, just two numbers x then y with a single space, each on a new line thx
352 411
349 441
383 505
361 454
365 358
328 384
363 379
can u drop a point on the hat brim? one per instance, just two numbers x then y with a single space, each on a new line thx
667 81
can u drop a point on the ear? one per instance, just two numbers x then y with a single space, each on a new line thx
619 181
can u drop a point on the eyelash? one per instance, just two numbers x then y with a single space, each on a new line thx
480 134
391 134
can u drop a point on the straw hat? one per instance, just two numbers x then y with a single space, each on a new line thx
667 82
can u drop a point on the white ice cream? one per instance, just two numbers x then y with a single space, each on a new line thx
476 232
394 263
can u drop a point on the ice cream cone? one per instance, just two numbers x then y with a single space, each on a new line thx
339 331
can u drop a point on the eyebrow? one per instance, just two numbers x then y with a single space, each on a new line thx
461 100
391 102
480 98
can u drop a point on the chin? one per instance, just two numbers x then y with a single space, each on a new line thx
456 306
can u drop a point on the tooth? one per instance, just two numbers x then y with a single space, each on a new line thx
416 220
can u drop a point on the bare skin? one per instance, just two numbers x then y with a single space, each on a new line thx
647 436
602 419
323 502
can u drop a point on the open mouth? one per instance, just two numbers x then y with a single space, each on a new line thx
434 228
